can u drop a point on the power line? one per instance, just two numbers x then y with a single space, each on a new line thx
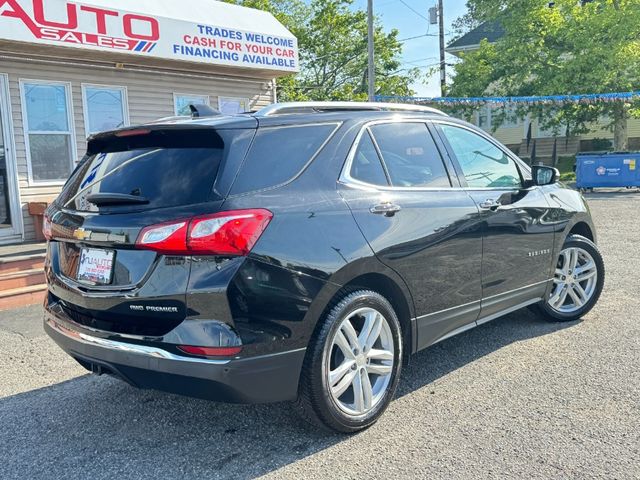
413 10
413 62
417 36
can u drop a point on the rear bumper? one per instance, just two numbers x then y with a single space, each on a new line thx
262 379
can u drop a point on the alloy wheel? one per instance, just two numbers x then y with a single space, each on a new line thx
359 362
575 280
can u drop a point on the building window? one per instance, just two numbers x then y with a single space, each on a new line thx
48 130
233 105
105 108
487 117
181 102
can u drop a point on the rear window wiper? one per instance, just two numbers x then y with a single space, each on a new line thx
101 199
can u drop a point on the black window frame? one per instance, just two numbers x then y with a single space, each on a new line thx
522 168
345 175
369 134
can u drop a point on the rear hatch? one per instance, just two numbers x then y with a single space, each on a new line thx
130 180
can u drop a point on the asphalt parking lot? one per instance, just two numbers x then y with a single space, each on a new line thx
516 398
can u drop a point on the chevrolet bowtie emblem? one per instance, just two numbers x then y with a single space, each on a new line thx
81 234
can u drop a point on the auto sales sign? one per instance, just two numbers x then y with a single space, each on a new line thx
96 27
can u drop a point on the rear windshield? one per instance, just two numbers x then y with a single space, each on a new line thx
278 154
162 169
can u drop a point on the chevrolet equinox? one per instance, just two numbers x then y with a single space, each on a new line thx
304 251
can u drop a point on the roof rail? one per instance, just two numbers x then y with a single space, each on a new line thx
318 107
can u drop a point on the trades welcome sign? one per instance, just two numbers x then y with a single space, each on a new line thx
82 25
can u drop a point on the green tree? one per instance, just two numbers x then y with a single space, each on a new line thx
571 47
332 41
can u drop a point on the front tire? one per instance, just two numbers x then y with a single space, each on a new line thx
353 363
577 283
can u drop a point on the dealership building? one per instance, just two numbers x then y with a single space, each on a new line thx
69 69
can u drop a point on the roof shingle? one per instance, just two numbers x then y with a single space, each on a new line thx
492 31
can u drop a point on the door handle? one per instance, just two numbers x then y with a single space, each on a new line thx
387 209
490 204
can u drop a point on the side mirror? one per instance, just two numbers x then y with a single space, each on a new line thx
544 175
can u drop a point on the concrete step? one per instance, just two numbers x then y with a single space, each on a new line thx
22 296
24 278
19 263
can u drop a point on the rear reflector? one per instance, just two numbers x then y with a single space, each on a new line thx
210 351
231 233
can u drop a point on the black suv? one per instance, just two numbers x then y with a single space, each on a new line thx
304 251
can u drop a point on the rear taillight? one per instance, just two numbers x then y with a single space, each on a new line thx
226 233
164 237
47 228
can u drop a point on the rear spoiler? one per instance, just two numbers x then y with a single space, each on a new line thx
191 133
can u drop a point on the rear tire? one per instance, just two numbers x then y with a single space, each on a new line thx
353 362
578 281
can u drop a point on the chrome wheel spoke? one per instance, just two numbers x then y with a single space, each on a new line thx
344 346
585 272
563 296
370 331
577 301
573 259
378 369
336 375
342 386
377 354
350 334
586 275
577 288
367 390
358 393
560 293
564 259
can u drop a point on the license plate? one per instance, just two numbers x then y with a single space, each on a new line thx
95 266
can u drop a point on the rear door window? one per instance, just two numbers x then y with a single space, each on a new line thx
279 154
410 155
166 169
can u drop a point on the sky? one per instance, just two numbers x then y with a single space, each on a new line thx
419 52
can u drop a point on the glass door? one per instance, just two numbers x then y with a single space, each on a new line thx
8 191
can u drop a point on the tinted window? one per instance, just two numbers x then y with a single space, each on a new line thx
278 154
366 165
149 166
483 164
410 155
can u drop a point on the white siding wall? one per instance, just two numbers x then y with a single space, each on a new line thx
150 96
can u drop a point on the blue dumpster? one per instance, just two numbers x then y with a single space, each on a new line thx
607 170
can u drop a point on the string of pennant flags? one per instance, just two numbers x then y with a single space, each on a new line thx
591 98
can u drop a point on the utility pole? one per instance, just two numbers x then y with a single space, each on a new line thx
443 65
371 74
